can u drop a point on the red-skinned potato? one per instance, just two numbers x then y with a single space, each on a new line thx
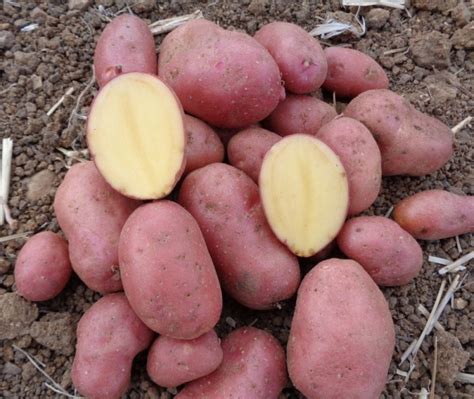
42 268
172 362
388 253
225 78
125 45
435 214
351 72
91 215
299 56
253 367
109 336
342 335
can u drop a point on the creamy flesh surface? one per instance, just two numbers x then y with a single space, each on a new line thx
136 136
304 191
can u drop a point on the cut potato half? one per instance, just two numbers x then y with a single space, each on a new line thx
136 136
304 192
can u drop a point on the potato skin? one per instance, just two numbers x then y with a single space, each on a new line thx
299 56
42 268
351 72
435 214
172 362
253 367
225 78
411 142
167 272
335 350
253 266
358 151
109 336
388 253
247 149
91 215
125 45
299 114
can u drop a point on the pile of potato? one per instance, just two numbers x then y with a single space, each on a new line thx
241 226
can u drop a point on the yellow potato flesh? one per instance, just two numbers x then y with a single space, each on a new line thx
136 136
304 192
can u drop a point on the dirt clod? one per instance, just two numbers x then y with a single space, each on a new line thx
40 185
452 358
464 38
377 17
431 50
17 315
55 331
7 39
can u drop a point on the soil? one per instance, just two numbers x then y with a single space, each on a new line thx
432 67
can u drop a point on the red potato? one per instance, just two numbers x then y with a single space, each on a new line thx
388 253
109 336
299 56
351 72
253 368
342 335
435 214
225 78
167 272
42 268
411 142
299 114
358 151
125 45
92 214
253 266
247 149
172 362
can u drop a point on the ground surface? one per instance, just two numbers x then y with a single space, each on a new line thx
433 67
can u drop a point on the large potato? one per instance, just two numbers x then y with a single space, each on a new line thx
253 368
225 78
92 214
342 335
253 266
167 272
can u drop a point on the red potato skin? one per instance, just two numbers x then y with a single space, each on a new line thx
109 336
351 72
411 142
299 56
299 114
435 214
342 335
91 215
167 272
253 367
358 151
42 268
173 362
253 266
247 149
225 78
125 45
388 253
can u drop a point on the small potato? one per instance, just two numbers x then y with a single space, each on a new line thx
109 336
172 362
125 45
299 114
342 335
247 149
435 214
42 268
388 253
360 156
299 56
253 368
351 72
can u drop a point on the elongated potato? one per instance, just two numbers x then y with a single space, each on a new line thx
435 214
253 266
253 368
167 271
342 335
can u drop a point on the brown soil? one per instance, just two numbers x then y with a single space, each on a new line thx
38 67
